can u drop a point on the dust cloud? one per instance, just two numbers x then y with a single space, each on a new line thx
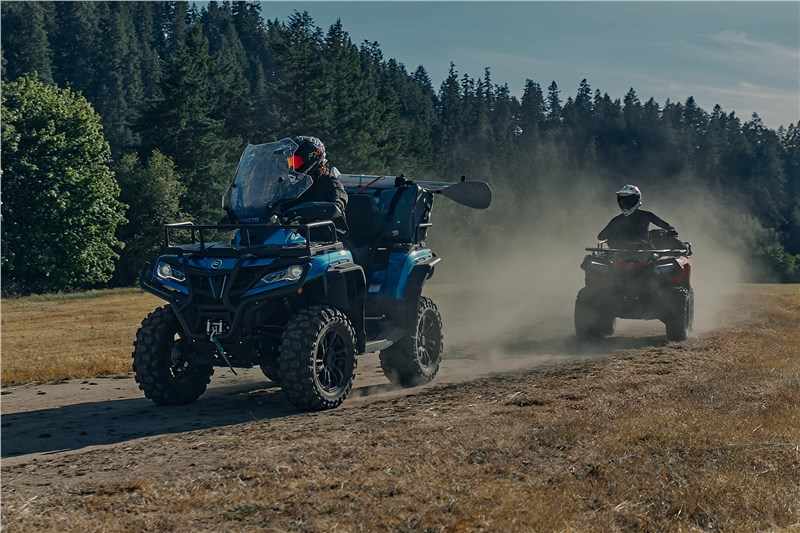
719 262
511 296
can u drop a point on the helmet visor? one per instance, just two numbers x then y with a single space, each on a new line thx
295 162
627 202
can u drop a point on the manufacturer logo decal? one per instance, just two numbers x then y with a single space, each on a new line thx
216 263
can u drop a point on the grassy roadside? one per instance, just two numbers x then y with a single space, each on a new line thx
695 436
67 336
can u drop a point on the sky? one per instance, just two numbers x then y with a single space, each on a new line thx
744 56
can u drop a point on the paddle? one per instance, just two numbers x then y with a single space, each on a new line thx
474 194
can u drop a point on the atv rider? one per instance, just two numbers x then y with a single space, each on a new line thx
310 158
631 227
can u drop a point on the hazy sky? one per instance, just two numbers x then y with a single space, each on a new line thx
744 56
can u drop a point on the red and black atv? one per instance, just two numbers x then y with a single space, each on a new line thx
643 281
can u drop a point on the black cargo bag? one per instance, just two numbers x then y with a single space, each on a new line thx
403 210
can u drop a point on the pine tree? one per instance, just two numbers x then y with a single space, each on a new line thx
766 183
694 127
504 111
553 107
673 157
175 19
147 20
790 142
609 131
399 119
234 106
417 101
119 95
710 165
182 126
301 102
25 44
632 109
449 112
76 44
354 101
480 132
389 128
634 136
650 134
583 103
252 33
532 115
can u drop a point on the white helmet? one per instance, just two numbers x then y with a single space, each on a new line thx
629 198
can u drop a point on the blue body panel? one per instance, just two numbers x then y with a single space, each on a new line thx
317 268
390 284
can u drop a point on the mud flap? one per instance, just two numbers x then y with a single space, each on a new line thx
344 288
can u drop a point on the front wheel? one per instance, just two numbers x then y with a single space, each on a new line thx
415 359
317 364
681 313
592 321
160 365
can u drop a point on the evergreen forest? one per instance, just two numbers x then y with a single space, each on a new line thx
162 97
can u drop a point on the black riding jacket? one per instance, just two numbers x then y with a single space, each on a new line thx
325 188
633 227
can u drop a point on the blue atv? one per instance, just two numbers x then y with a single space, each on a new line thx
286 289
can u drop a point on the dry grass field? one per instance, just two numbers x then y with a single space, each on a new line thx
51 338
702 435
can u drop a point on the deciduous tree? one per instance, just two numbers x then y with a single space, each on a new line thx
60 200
153 192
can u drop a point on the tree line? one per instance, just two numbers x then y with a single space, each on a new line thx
176 93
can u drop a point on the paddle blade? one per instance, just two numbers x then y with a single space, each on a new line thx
474 194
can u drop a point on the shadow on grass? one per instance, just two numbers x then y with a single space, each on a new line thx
80 425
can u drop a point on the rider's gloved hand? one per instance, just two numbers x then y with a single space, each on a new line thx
672 232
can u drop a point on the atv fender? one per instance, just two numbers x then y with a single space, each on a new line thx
416 280
344 287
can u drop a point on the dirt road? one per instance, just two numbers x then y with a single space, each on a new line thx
55 418
523 429
485 333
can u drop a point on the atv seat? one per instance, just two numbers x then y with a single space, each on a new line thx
364 222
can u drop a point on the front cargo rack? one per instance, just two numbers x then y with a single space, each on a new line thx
200 243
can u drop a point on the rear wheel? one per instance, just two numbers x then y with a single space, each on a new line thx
592 321
415 359
681 313
318 358
160 364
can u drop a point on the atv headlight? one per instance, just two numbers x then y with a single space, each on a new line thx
597 266
166 271
292 273
666 269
